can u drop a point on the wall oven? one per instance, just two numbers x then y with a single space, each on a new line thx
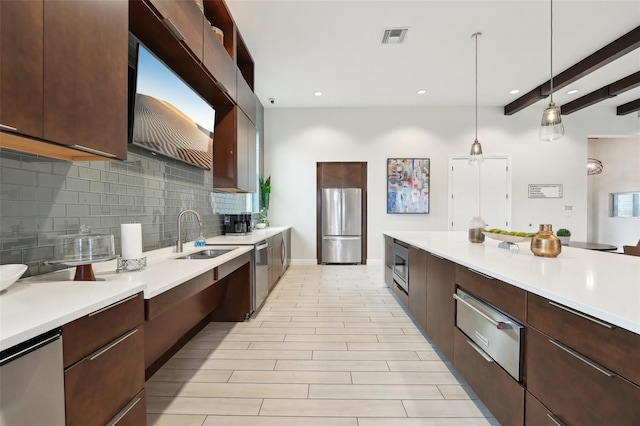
401 266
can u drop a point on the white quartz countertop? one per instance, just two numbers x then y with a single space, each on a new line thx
38 304
254 237
28 309
603 285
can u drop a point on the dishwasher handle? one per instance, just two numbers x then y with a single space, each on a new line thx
499 324
29 346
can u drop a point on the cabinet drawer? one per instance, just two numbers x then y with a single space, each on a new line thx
576 389
613 347
85 335
133 414
536 414
512 300
497 390
102 383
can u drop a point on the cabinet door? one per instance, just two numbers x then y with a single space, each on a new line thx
613 347
440 304
388 261
246 140
576 389
246 98
418 285
85 75
495 387
277 256
218 63
185 20
99 386
21 50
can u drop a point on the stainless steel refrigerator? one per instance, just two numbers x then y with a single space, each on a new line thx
341 225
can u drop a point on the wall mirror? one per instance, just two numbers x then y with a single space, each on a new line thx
624 204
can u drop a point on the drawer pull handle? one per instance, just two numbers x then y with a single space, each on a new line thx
583 359
580 314
402 289
93 151
99 352
123 412
480 351
106 308
9 128
481 274
499 325
176 32
555 420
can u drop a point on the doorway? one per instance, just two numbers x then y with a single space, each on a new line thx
341 175
483 190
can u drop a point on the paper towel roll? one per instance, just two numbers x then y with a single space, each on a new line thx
131 240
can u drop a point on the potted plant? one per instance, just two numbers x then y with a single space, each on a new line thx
265 190
564 235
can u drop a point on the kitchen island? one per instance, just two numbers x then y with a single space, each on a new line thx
580 317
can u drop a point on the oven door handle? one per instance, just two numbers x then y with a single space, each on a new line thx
498 324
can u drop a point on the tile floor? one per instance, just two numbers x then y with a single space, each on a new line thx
331 346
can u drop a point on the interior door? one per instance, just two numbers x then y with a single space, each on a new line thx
483 190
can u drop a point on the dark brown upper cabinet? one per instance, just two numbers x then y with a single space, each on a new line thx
85 75
185 21
21 48
219 64
234 152
65 83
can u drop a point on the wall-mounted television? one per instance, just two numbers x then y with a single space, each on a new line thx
169 117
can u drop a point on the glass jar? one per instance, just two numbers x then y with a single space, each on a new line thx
545 243
476 226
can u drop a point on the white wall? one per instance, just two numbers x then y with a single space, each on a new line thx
621 173
295 139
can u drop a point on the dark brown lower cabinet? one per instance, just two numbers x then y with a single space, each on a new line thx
576 389
99 386
536 414
441 284
502 395
418 285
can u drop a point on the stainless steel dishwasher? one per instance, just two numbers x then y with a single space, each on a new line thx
261 275
32 382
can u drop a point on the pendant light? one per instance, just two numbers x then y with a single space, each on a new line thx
551 127
475 156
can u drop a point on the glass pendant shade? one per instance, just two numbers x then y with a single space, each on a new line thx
551 127
475 156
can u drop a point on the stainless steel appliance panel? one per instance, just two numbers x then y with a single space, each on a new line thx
495 333
32 382
401 266
261 276
341 225
351 211
341 249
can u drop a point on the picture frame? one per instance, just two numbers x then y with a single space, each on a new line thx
408 185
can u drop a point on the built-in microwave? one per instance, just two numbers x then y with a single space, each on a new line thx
401 266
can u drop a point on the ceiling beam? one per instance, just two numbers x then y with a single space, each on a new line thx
612 51
628 108
609 91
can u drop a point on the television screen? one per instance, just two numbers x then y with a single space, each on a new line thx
169 117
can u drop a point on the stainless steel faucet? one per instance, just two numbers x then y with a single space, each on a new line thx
182 213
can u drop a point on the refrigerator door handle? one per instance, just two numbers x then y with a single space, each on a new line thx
343 220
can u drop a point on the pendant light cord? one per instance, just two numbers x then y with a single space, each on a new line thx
476 37
551 59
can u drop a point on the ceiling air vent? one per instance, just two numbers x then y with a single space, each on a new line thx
394 35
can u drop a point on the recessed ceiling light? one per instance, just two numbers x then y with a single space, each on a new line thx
421 91
572 91
317 93
514 91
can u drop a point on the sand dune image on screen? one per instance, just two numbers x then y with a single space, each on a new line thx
161 127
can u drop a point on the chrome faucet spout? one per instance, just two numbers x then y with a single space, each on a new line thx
182 213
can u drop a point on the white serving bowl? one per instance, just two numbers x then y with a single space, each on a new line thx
261 225
9 274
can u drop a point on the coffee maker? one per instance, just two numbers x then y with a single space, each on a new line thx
237 224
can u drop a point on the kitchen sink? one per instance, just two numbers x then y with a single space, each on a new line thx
206 254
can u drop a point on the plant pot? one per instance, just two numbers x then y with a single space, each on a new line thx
564 240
